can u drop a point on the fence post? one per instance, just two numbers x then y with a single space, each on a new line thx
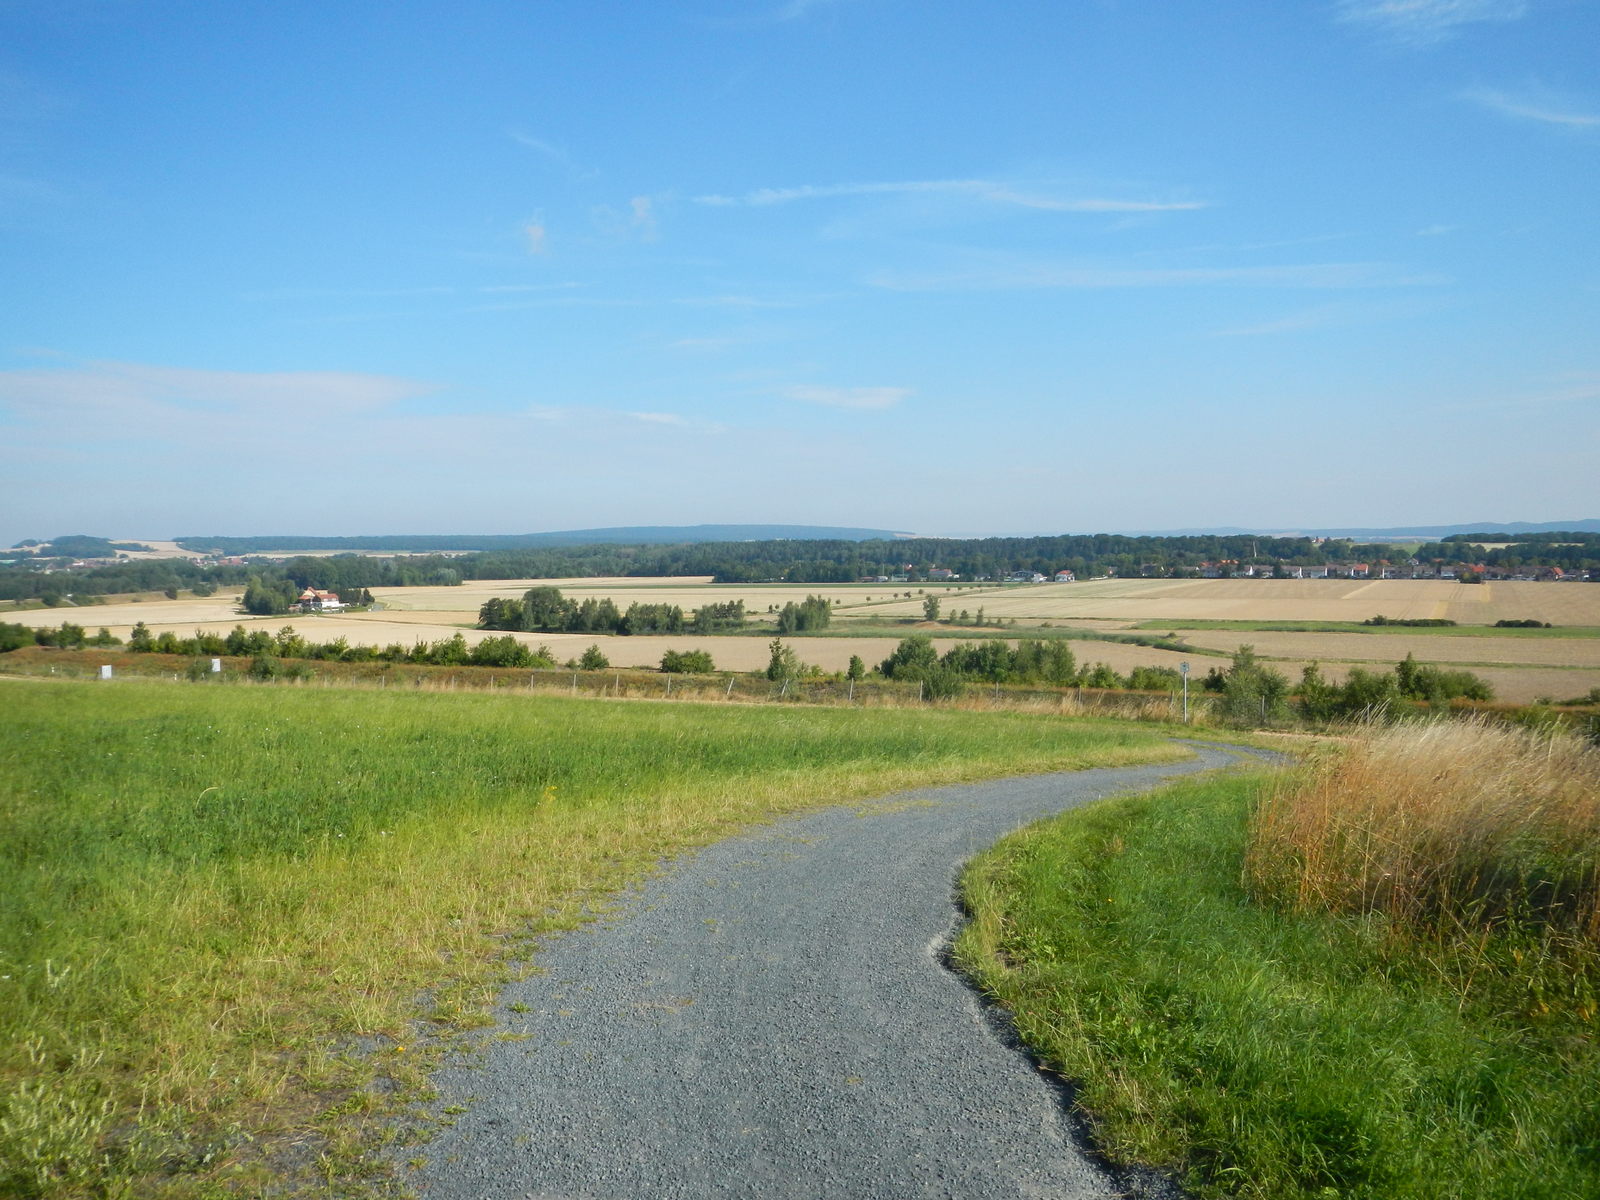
729 692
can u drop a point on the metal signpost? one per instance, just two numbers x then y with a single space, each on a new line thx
1183 669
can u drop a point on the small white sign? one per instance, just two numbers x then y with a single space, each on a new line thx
105 671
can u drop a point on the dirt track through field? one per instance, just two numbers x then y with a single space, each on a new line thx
773 1017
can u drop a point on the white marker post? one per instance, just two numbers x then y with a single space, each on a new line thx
1183 669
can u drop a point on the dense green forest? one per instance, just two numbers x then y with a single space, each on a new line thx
1569 551
787 560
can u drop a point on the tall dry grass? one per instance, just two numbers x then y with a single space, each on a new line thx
1455 830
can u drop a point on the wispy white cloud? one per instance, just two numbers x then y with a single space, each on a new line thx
796 9
847 397
790 10
1535 107
553 153
536 236
148 398
1424 21
736 300
267 410
575 417
1044 275
1569 389
107 433
985 190
500 288
637 222
1311 318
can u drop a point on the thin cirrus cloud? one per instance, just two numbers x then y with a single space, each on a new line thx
1311 275
553 153
121 389
1424 21
985 190
860 398
1535 108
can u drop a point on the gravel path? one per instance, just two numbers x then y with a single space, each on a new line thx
772 1017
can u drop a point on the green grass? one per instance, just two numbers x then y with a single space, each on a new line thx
1469 631
211 896
1270 1055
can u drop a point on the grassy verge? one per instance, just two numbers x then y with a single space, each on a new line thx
219 905
1271 1054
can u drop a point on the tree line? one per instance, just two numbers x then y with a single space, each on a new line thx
1253 693
546 610
793 561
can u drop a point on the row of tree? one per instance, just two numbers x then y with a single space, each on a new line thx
1253 693
68 636
1030 661
546 610
793 561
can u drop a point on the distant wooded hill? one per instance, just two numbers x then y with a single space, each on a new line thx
1492 531
625 535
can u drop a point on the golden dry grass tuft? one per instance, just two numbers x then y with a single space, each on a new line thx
1454 829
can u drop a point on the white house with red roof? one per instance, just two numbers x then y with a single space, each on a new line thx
312 600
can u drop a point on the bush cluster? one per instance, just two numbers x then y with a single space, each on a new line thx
546 610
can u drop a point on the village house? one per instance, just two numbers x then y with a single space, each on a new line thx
1065 577
312 600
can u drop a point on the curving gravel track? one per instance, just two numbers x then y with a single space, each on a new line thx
773 1017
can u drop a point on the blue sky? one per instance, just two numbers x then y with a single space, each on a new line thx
947 268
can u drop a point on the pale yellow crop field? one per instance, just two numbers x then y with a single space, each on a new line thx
158 614
1533 667
1392 647
1278 600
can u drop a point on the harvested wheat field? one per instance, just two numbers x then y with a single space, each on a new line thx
1391 647
1281 600
120 616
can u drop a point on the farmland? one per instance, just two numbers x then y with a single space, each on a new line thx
869 619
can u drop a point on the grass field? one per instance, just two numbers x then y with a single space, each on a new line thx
219 906
1285 1054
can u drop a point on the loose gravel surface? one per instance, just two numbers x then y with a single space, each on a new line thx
774 1017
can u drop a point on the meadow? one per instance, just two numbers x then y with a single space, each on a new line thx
230 915
1374 977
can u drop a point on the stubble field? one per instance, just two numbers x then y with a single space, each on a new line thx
869 619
